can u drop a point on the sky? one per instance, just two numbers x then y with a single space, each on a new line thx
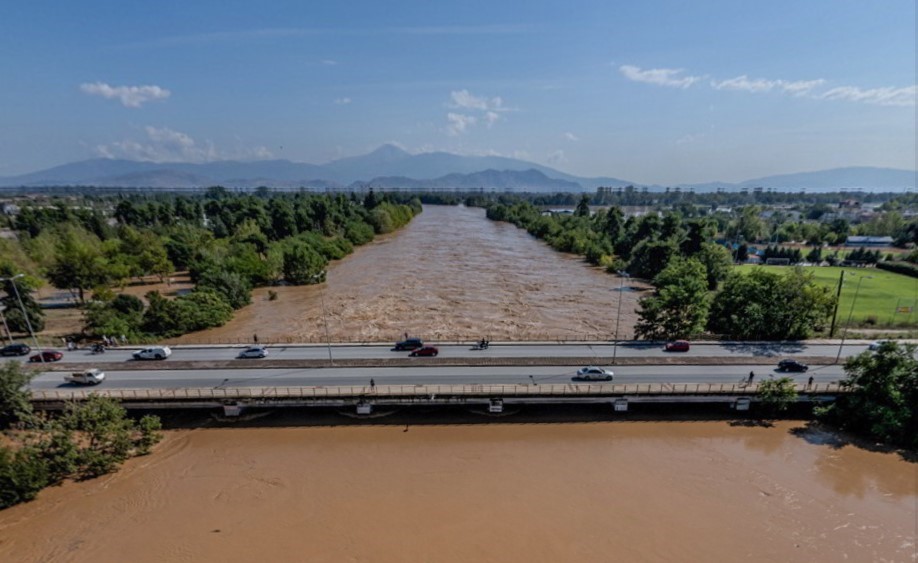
652 92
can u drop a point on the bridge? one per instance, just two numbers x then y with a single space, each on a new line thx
365 397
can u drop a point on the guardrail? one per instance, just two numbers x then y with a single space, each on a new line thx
420 391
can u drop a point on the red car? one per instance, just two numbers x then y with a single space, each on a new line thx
425 351
677 346
47 356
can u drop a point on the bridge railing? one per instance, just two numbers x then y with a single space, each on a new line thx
420 391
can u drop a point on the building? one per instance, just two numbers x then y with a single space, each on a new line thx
869 241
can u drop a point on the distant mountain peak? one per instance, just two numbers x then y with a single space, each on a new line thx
389 151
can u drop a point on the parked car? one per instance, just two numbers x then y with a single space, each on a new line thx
15 350
677 346
408 344
254 352
425 351
593 373
874 346
792 365
153 353
91 376
47 356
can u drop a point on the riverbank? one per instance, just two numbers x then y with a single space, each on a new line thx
588 491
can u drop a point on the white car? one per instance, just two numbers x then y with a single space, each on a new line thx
254 352
593 373
874 346
91 376
154 353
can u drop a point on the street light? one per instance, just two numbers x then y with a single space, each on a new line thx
25 315
850 312
618 315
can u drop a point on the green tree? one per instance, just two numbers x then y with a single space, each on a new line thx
79 263
761 305
15 320
15 403
303 265
235 289
777 394
22 474
717 262
650 257
679 306
583 207
106 433
883 398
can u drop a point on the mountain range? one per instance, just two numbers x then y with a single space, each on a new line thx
391 167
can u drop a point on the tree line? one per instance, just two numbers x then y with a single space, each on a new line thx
89 439
230 243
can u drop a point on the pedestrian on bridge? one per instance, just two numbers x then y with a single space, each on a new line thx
809 382
751 376
372 383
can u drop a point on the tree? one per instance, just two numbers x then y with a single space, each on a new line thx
761 305
650 257
78 263
15 320
679 306
106 434
777 394
717 262
235 289
883 398
583 207
22 474
15 403
303 265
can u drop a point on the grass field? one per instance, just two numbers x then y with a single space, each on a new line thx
881 294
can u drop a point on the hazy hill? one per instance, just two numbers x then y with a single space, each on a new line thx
390 166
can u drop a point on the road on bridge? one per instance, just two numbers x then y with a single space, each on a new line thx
602 352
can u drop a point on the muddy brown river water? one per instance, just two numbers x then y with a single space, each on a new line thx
600 491
451 274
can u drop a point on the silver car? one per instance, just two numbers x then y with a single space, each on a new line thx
254 352
593 373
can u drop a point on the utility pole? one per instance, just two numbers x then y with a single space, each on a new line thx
618 316
841 281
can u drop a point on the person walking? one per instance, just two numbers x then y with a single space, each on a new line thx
372 383
255 338
809 382
751 376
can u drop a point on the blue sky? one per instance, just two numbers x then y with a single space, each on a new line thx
652 92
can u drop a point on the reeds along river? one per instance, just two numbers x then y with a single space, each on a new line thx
450 274
589 491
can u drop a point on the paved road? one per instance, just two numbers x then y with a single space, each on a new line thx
253 377
601 351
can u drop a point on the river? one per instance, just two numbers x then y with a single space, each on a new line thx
581 491
450 274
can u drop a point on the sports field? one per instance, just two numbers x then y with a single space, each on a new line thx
884 298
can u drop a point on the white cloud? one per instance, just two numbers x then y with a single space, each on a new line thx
342 101
484 110
328 62
888 96
459 123
463 99
163 144
671 77
571 137
129 96
744 83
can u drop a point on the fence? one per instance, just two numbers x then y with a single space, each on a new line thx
421 391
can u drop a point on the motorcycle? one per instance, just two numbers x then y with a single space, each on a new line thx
482 345
98 349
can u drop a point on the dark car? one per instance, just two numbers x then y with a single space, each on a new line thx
47 356
792 365
15 350
677 346
408 344
425 351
